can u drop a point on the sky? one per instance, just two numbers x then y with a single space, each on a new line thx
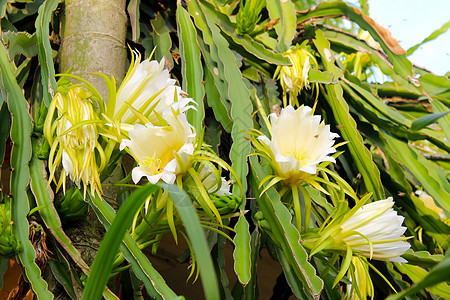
410 22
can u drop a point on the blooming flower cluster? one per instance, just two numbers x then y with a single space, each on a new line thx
146 115
299 147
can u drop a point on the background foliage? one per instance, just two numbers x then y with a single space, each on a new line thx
224 55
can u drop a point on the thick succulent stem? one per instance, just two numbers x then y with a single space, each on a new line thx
93 41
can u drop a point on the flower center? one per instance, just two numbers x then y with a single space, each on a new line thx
157 164
153 163
301 156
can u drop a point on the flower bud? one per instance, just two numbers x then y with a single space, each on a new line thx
71 205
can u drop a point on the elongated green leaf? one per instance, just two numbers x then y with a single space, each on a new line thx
247 46
242 251
386 118
221 242
431 178
422 258
237 93
153 281
161 38
197 237
444 122
285 28
321 77
45 50
437 87
20 156
380 107
422 280
251 289
134 13
396 54
362 156
215 99
44 199
285 232
103 263
292 279
191 67
20 43
215 83
427 120
62 271
428 175
342 41
431 37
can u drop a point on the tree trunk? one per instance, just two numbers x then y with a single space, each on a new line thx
93 40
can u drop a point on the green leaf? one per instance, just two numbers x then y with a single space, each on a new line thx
45 49
215 83
225 283
191 67
285 28
196 235
20 43
236 92
142 267
426 173
334 95
20 156
396 54
103 262
285 233
422 258
44 199
242 251
134 13
427 120
437 87
294 282
62 271
215 100
321 77
431 37
342 41
247 45
445 121
3 267
161 38
251 289
422 280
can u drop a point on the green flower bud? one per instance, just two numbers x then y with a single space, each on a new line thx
43 150
9 245
264 226
40 119
71 206
225 204
249 15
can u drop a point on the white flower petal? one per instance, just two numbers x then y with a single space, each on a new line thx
299 141
150 79
378 222
154 148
